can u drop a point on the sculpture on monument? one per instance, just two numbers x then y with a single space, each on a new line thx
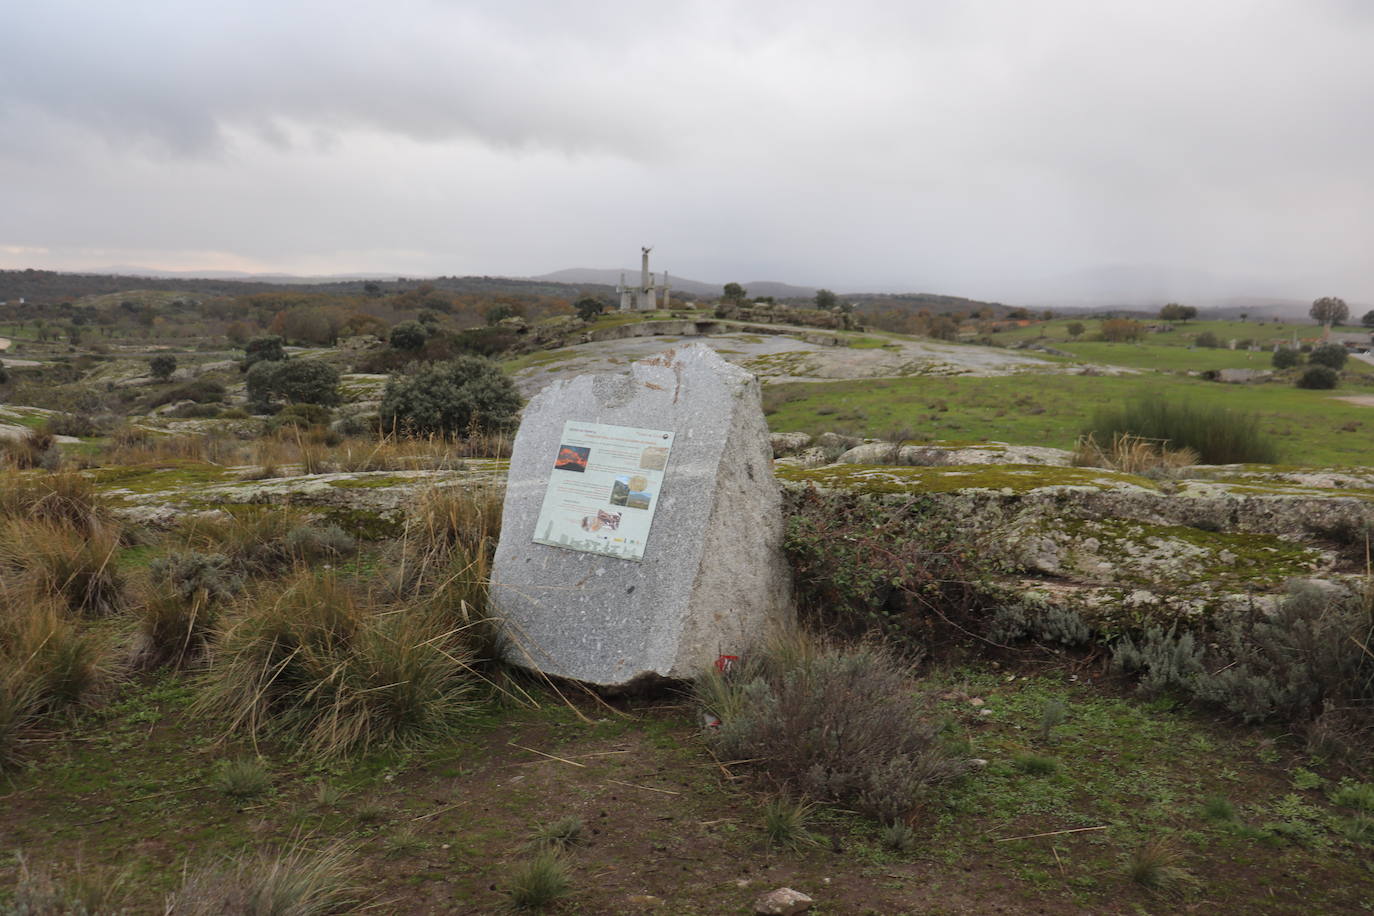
645 297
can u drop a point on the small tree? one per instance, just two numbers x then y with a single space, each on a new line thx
1318 377
588 307
735 293
1207 339
1075 329
262 349
500 312
409 336
1368 319
1329 354
1286 358
1175 312
825 299
162 367
467 394
1329 310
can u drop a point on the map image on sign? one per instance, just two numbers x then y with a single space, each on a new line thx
604 484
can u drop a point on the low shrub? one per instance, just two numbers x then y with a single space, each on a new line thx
837 725
296 381
313 661
1318 377
1307 663
1216 434
201 391
905 570
72 424
1207 339
309 543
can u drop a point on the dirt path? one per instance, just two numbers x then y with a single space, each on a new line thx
1363 400
4 343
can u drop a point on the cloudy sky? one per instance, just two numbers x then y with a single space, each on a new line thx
1017 149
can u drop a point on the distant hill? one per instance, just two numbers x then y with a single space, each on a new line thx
611 277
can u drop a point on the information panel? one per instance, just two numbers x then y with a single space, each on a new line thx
603 488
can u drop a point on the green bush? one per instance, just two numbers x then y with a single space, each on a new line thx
1318 377
838 725
296 381
408 335
1207 339
465 395
1329 354
1286 358
262 349
162 366
1218 435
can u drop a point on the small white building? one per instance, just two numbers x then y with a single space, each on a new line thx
645 297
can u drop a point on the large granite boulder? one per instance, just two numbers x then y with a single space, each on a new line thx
712 580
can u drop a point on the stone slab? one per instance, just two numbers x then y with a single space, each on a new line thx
713 580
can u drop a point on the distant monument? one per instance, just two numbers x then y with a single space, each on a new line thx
642 531
645 298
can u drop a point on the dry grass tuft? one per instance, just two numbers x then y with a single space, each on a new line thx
1131 454
295 882
321 663
52 559
32 450
67 498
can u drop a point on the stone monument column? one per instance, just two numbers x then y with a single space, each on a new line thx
710 578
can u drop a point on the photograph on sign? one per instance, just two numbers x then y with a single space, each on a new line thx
604 485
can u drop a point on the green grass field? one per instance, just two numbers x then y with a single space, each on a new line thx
1310 427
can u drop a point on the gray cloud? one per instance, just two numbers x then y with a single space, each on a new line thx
994 149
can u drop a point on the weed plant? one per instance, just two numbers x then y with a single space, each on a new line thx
1219 809
834 724
1217 435
539 882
